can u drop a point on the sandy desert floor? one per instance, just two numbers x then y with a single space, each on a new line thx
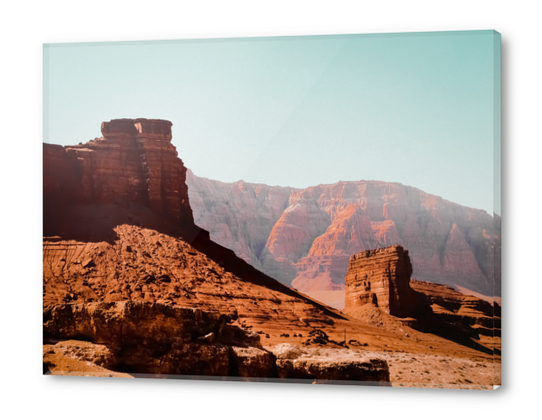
423 370
436 371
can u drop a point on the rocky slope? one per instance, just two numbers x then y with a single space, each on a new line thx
146 265
152 338
118 226
144 338
310 243
475 317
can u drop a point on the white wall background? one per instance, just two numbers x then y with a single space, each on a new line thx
25 26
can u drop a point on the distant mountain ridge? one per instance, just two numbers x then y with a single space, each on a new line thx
305 237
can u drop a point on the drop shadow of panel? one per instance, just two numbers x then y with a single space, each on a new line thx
264 379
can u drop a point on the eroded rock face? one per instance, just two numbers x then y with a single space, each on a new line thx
310 242
329 365
164 339
133 164
380 277
242 214
85 351
458 307
158 338
380 292
145 265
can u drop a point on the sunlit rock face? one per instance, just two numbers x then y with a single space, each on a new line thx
242 215
305 237
380 277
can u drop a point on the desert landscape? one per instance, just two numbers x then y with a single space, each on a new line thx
150 271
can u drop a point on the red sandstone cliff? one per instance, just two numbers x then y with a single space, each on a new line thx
133 170
118 226
311 241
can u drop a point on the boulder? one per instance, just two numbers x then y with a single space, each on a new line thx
76 358
328 365
287 351
251 362
324 369
85 351
156 338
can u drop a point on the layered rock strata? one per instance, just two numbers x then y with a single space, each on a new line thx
241 214
380 277
458 307
146 265
146 338
152 338
379 281
310 242
134 165
143 264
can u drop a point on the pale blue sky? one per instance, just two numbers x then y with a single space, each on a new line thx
297 111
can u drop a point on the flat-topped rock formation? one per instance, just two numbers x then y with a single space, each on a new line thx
132 168
380 277
379 281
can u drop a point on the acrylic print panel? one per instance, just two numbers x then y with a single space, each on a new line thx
313 209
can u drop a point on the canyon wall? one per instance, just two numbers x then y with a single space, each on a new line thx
311 241
118 227
242 215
